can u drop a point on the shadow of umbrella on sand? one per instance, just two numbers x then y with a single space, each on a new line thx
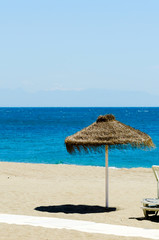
107 131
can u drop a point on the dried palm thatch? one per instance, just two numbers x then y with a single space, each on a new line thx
107 131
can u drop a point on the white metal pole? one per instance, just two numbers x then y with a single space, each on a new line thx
106 174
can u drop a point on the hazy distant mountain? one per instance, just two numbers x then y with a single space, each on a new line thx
73 98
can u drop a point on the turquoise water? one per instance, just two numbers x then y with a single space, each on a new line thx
36 135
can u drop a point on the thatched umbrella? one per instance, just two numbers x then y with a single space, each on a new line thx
107 131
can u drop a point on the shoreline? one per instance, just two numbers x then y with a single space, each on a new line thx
63 164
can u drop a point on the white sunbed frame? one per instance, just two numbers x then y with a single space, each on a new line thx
151 205
156 172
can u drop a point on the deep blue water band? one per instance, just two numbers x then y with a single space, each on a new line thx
36 135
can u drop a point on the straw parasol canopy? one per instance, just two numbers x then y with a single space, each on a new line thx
107 131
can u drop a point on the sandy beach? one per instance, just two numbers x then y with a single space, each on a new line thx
73 192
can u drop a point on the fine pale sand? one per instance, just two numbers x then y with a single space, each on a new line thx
73 192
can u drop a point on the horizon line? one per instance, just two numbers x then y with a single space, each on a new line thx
79 107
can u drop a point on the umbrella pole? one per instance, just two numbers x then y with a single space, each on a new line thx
106 174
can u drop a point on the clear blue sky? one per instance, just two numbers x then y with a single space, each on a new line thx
79 44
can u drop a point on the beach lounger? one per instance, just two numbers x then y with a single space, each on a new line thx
156 172
151 205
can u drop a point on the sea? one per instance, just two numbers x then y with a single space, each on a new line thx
37 135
